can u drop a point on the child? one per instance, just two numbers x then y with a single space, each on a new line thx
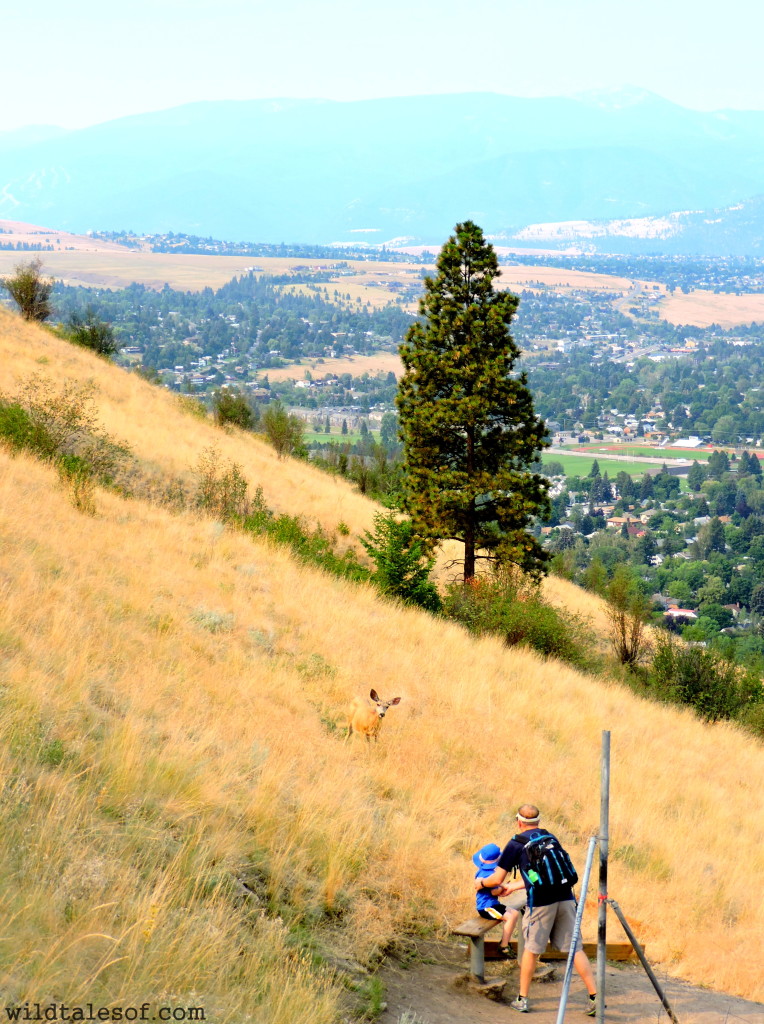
487 904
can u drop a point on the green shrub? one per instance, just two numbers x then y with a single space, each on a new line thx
704 679
193 406
222 489
752 718
30 290
313 547
58 424
16 427
511 606
91 332
402 565
283 430
231 407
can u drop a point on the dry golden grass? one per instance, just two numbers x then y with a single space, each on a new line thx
120 268
162 434
702 308
191 678
519 277
34 234
90 262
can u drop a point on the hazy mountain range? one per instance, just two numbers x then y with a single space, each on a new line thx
377 170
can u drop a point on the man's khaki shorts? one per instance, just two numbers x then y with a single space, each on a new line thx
550 924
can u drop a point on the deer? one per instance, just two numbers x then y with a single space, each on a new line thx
365 719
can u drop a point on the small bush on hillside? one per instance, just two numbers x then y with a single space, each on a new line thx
213 622
231 407
752 718
193 406
627 613
402 565
30 290
313 547
222 488
510 605
91 332
705 680
283 430
223 492
59 424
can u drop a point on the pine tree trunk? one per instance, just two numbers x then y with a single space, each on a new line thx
469 530
469 552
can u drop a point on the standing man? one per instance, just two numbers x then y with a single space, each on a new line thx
551 912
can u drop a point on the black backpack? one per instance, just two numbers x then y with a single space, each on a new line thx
548 863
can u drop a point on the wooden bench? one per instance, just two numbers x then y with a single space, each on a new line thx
617 951
475 930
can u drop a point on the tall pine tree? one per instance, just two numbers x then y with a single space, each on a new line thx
469 429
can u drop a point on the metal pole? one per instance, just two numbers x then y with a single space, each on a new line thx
576 931
602 904
643 959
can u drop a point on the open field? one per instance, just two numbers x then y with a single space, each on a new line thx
172 692
120 268
16 232
380 362
565 280
81 260
703 308
311 436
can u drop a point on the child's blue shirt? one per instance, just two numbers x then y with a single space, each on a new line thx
484 897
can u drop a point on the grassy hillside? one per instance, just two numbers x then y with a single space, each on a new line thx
182 822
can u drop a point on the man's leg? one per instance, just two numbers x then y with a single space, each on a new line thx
527 967
584 968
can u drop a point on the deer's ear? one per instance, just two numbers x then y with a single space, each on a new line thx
373 695
396 701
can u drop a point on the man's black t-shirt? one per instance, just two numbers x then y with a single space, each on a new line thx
514 856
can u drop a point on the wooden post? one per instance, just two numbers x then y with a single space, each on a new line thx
602 903
477 957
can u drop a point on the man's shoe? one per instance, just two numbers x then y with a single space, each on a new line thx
591 1009
507 953
521 1004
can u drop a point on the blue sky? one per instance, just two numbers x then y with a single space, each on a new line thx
85 61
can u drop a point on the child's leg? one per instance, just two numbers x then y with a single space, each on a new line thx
510 920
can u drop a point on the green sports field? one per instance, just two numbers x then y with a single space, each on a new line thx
336 437
580 465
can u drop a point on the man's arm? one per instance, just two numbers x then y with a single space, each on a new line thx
493 880
510 858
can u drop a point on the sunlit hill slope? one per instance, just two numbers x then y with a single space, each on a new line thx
181 821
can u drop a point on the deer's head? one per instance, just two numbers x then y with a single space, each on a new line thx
382 705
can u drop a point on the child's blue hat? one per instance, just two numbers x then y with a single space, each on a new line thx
488 854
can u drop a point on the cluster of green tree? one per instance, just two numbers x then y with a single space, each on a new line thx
714 393
248 316
26 247
703 550
716 273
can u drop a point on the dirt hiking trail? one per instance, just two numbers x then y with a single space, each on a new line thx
424 994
